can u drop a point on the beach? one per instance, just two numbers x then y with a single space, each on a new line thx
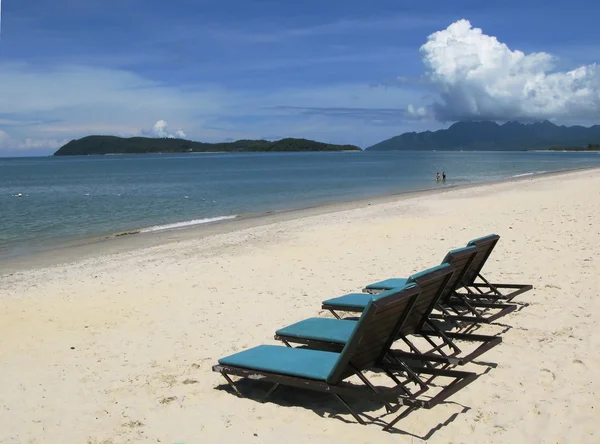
117 346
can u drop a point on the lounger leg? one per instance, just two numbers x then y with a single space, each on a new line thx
503 310
491 286
403 415
411 374
237 391
398 383
334 314
513 289
476 315
436 347
445 338
478 294
365 381
412 346
492 293
447 315
352 412
232 384
487 342
396 380
414 349
271 390
465 303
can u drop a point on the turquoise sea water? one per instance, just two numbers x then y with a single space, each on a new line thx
67 199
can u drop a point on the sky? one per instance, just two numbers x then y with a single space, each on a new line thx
336 71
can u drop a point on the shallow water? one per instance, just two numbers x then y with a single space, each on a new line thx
66 199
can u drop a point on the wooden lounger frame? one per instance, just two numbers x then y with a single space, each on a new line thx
446 351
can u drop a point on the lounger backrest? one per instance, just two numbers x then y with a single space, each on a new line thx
484 245
432 283
461 260
374 331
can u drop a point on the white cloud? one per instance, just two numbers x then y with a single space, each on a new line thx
18 145
161 129
76 101
419 112
478 77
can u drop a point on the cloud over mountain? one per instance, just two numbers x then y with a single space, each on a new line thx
479 77
161 129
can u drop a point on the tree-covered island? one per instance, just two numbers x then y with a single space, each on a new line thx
98 145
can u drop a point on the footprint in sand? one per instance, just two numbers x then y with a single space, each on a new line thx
546 376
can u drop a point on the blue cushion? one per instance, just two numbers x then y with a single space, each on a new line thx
302 362
351 300
474 241
387 284
320 329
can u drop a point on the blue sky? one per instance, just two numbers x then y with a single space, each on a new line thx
336 71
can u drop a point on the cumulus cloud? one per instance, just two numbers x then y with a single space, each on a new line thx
161 129
478 77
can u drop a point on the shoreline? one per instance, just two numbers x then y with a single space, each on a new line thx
136 239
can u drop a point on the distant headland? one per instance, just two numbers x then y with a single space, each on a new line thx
99 145
491 136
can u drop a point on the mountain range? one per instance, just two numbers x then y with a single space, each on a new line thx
491 136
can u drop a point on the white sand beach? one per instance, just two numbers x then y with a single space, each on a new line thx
118 347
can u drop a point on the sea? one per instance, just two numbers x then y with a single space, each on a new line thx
49 202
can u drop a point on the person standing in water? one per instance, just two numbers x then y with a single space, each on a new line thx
437 176
444 176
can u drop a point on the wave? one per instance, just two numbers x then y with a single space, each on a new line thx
188 223
529 174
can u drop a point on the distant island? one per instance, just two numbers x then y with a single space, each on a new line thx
590 147
98 145
491 136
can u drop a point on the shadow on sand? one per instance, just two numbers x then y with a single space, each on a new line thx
327 406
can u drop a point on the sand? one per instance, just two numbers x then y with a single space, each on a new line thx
118 347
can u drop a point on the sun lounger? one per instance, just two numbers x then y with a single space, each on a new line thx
453 305
325 371
445 349
485 289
